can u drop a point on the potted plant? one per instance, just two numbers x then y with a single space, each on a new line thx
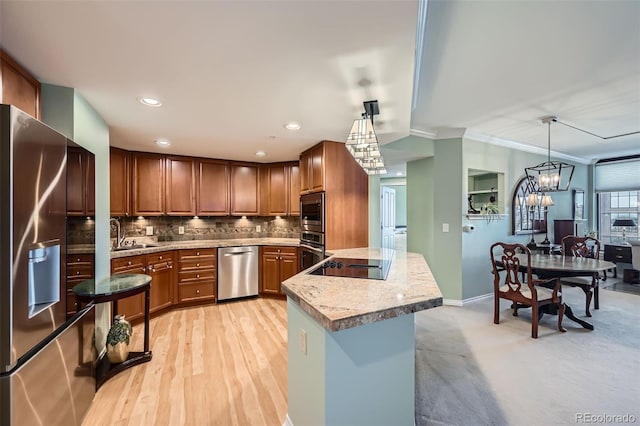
118 340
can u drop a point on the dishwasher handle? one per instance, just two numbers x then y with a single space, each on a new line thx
235 253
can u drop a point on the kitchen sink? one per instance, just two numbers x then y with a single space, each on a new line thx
133 247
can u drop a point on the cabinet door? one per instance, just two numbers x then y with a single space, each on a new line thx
131 307
294 190
245 190
119 182
160 268
305 172
148 184
288 266
76 202
213 188
270 274
18 87
180 183
277 190
317 168
90 190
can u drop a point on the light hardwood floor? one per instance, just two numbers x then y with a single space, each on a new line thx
212 365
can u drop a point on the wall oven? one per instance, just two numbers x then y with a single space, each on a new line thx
312 212
310 255
311 229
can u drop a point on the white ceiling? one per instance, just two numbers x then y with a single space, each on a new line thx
230 74
497 67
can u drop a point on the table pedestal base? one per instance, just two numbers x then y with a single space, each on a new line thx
106 370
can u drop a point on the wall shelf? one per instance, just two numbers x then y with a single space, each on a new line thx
479 216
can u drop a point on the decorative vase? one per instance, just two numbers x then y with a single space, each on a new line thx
118 340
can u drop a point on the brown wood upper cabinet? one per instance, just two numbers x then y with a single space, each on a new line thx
312 170
148 184
18 87
212 188
80 183
119 182
180 184
280 189
294 190
245 189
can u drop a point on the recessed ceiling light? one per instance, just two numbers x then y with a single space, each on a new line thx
163 142
261 153
152 102
292 125
399 173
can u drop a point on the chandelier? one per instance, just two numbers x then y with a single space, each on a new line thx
551 175
362 142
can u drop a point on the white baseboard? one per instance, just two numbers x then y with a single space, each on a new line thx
287 421
459 303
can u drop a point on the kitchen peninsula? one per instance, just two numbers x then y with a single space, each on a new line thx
351 352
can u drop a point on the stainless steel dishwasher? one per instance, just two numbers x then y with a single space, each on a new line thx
237 272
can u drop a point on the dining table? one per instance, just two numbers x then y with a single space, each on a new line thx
547 266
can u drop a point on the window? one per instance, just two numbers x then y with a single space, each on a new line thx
617 205
527 219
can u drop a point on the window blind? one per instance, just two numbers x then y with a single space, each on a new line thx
618 176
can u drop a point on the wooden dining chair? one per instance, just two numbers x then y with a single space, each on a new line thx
572 245
530 294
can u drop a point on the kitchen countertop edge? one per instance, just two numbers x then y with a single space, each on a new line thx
370 302
194 244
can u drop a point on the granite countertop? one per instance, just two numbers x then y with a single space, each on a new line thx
192 244
339 303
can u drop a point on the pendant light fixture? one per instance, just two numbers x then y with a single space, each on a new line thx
551 176
362 142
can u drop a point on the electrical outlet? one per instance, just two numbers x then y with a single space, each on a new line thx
149 230
181 230
445 227
258 228
303 341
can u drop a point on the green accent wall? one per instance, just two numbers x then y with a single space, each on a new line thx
420 207
437 194
65 110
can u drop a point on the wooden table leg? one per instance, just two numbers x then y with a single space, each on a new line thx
146 318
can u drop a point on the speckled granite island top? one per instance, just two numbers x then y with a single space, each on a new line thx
201 244
341 303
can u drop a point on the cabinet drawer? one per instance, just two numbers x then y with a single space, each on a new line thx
197 254
190 292
79 271
196 276
617 254
159 261
128 264
80 260
292 251
195 265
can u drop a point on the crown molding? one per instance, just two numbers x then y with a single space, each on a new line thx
507 143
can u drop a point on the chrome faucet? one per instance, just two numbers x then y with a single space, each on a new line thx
119 238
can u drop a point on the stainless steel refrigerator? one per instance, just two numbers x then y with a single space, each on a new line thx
46 360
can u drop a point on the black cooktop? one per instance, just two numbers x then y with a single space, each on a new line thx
374 269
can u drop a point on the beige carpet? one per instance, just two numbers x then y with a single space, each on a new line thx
473 372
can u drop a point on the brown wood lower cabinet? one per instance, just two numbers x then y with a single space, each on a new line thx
131 307
278 264
160 268
196 275
79 268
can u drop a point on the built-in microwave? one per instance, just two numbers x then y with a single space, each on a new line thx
312 212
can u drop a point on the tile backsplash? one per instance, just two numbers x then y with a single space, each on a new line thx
166 228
